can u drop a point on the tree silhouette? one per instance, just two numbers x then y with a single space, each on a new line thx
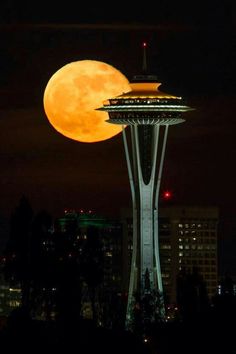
92 264
42 264
18 249
52 266
224 304
192 295
67 274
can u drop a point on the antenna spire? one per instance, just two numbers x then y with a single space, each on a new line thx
144 76
144 45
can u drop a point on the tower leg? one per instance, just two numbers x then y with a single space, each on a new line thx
145 298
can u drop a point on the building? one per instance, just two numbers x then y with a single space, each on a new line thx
10 295
77 225
188 241
110 235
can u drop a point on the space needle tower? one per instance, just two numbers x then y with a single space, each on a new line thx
147 113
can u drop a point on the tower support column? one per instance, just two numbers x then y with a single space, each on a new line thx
145 287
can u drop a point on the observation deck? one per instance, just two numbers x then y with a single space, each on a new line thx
145 105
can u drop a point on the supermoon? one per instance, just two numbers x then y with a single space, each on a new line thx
73 94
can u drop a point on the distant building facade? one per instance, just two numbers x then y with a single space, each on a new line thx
10 296
109 233
188 241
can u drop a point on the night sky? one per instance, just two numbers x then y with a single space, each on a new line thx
191 48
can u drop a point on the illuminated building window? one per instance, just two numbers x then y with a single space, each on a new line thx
108 254
180 239
180 247
165 275
165 247
181 254
14 303
186 226
234 289
165 282
165 226
16 290
180 225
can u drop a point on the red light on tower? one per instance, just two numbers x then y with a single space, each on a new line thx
167 195
144 44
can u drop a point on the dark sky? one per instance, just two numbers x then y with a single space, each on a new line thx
191 47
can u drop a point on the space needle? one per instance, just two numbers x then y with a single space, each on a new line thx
148 113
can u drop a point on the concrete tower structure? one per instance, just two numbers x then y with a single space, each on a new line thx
148 112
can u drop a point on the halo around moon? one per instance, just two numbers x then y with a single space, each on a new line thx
75 91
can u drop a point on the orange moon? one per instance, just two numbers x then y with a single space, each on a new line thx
75 91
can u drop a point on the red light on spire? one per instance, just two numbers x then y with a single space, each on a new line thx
144 45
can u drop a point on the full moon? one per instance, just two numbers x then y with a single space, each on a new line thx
75 91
